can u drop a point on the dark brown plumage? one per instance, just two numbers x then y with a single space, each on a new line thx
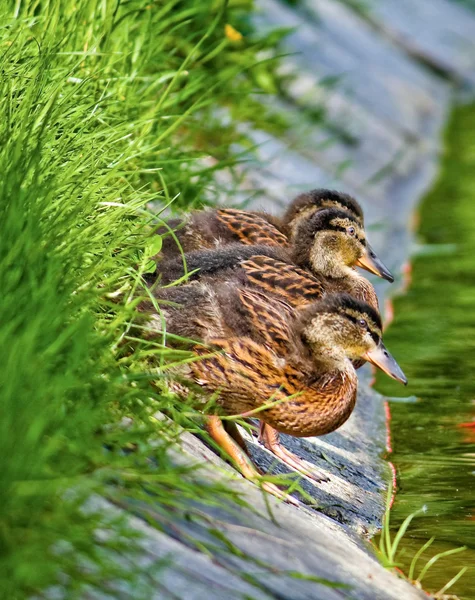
308 239
323 246
211 228
321 260
295 363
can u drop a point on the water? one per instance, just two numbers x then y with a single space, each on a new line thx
433 337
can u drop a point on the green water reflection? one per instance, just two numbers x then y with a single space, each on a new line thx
433 337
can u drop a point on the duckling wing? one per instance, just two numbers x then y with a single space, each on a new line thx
214 262
269 318
244 372
297 287
250 228
247 378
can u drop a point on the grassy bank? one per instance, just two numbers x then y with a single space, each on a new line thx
105 107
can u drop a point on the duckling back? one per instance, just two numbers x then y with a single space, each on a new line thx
213 228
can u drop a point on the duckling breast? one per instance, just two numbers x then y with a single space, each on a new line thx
317 409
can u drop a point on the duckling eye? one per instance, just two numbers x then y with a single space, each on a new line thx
351 231
362 323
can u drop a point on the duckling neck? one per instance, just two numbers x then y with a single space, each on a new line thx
319 262
363 289
355 284
328 358
317 344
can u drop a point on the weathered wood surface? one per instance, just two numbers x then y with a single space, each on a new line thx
391 109
435 31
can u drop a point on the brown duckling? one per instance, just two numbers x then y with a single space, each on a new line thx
328 245
221 226
296 364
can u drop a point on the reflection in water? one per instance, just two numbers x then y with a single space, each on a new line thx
433 338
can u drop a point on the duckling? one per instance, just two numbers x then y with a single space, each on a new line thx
218 227
292 371
327 244
326 248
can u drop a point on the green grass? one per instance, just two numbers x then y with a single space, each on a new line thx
388 550
104 107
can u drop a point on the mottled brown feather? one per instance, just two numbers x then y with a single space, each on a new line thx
296 286
249 377
264 315
250 228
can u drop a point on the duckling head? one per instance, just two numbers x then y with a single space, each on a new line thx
341 327
308 203
332 242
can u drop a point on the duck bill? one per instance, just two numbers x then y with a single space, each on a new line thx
382 359
371 263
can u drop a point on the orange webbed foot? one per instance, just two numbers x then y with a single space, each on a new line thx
270 438
234 450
